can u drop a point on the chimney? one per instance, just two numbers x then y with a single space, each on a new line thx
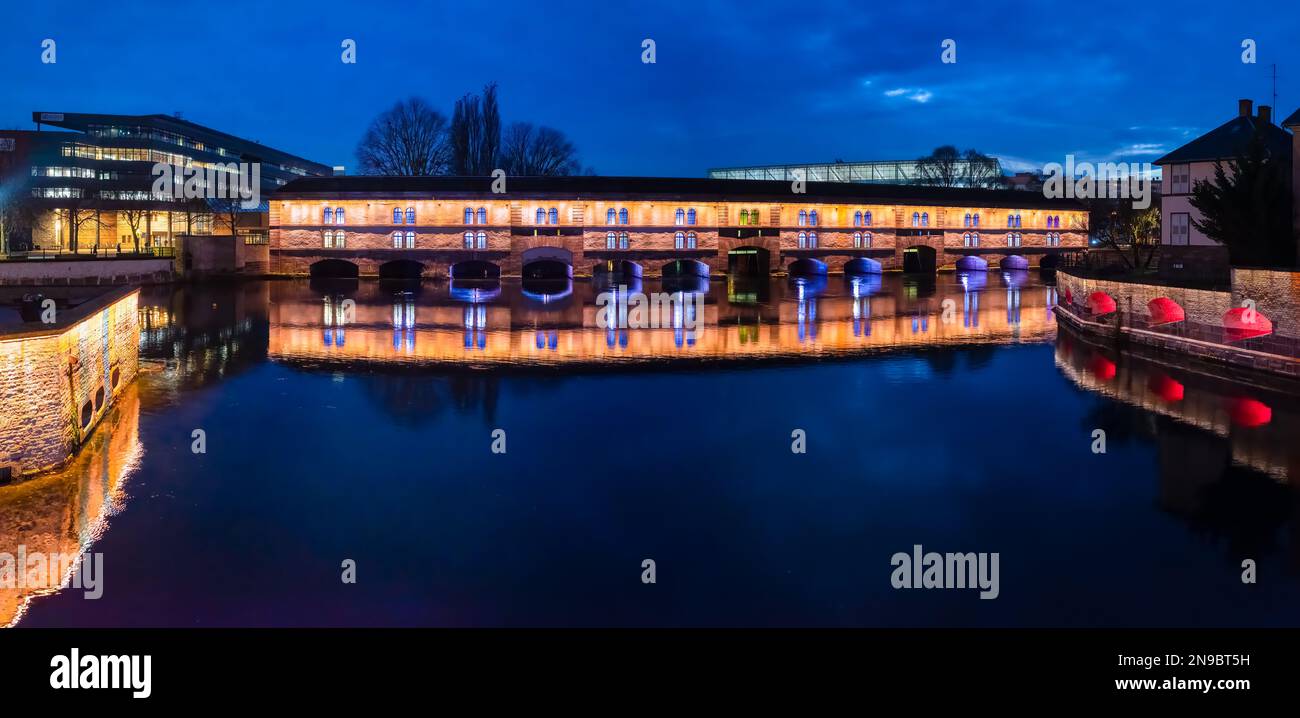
1265 114
1243 108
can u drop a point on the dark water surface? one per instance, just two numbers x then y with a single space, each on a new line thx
969 431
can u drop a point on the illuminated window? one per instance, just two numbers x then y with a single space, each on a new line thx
965 239
679 217
328 216
803 217
1011 220
966 220
803 240
975 220
812 240
866 239
410 215
397 240
690 216
857 220
469 215
1017 220
753 216
916 219
744 216
410 240
679 240
609 217
622 216
540 216
553 216
925 219
482 240
327 239
812 218
622 239
397 215
975 239
338 216
857 237
866 220
690 240
482 215
611 240
469 240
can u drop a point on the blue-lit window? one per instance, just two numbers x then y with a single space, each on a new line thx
540 216
679 240
469 240
857 239
812 240
338 239
925 219
1011 220
338 216
690 216
916 219
866 220
1017 220
966 220
609 216
410 215
975 220
622 216
410 240
611 240
679 217
803 240
397 215
975 239
482 240
866 239
553 216
397 240
328 216
803 217
469 215
857 219
622 239
482 215
690 240
812 218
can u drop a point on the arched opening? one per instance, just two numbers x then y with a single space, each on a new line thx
686 268
475 269
1049 262
401 269
862 265
618 268
547 263
1014 261
807 267
748 262
971 263
335 269
919 260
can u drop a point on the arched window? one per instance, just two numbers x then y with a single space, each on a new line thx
975 220
812 239
965 240
482 240
553 217
328 216
610 239
338 239
812 218
916 219
975 239
866 220
690 216
1011 220
679 217
966 221
397 240
866 239
469 240
327 238
803 217
622 215
857 219
857 237
338 216
803 240
744 216
541 216
690 240
469 215
753 216
679 240
622 239
1017 220
410 240
925 219
609 216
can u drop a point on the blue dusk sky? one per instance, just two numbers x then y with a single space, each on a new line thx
735 83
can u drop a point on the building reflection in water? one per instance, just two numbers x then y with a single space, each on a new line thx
67 510
1228 460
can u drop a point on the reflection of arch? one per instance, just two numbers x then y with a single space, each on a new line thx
474 291
862 265
401 269
919 259
686 268
475 269
1015 278
748 261
973 281
546 291
339 268
971 263
547 263
1014 261
687 283
808 267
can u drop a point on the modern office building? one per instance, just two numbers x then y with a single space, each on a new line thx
457 227
873 172
90 181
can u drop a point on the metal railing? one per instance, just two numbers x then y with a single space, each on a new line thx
46 255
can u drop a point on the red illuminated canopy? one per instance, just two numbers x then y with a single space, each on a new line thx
1249 412
1165 311
1165 387
1100 303
1245 323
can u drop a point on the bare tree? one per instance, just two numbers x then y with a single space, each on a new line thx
17 216
981 170
1134 234
527 150
949 167
136 217
409 139
476 133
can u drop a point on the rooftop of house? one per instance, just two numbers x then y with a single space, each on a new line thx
1232 137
